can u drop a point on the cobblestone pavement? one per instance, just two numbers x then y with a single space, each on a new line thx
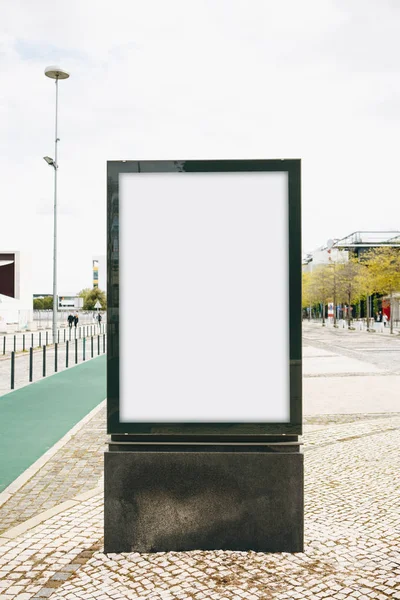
352 524
77 467
351 531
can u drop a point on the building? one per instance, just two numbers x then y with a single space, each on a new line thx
99 269
359 242
324 255
355 244
16 308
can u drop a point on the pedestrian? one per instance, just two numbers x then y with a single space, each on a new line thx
99 318
76 319
70 320
384 319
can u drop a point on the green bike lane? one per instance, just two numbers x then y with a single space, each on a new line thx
35 417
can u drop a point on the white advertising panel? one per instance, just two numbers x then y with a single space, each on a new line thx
204 297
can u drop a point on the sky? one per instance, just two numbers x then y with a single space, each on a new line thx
209 79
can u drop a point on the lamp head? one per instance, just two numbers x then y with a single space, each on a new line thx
50 161
56 72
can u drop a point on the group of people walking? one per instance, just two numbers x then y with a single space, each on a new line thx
73 319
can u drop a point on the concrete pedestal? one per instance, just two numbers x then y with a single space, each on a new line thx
168 500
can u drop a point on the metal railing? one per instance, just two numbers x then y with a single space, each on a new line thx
49 359
21 342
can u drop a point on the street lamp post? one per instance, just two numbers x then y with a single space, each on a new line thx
55 73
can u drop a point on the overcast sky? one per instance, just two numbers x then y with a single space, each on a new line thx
316 80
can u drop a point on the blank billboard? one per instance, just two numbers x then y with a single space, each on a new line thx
204 297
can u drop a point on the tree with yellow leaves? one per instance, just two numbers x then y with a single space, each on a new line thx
366 283
384 270
336 267
349 285
320 287
306 299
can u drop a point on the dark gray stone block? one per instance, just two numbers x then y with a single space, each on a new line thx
176 501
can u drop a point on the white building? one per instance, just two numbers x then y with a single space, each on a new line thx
323 256
16 304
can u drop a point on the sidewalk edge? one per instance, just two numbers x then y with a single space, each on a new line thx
22 528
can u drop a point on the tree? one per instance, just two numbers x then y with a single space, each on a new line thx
48 303
84 293
384 267
336 267
306 298
349 284
91 296
45 303
366 285
321 287
38 304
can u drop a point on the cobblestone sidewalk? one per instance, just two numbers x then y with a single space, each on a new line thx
51 522
352 529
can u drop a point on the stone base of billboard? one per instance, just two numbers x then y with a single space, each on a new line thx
160 501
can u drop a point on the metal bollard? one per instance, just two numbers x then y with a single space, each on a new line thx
56 357
4 344
66 353
76 351
23 342
47 338
64 335
40 339
58 336
15 343
98 345
104 343
70 333
31 340
30 364
12 369
91 344
44 361
84 349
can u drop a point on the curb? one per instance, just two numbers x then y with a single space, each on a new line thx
18 530
37 465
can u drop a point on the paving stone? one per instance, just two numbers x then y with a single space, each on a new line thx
352 525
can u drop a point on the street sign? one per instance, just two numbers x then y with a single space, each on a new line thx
97 305
201 252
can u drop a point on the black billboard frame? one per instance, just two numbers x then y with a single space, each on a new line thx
204 432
